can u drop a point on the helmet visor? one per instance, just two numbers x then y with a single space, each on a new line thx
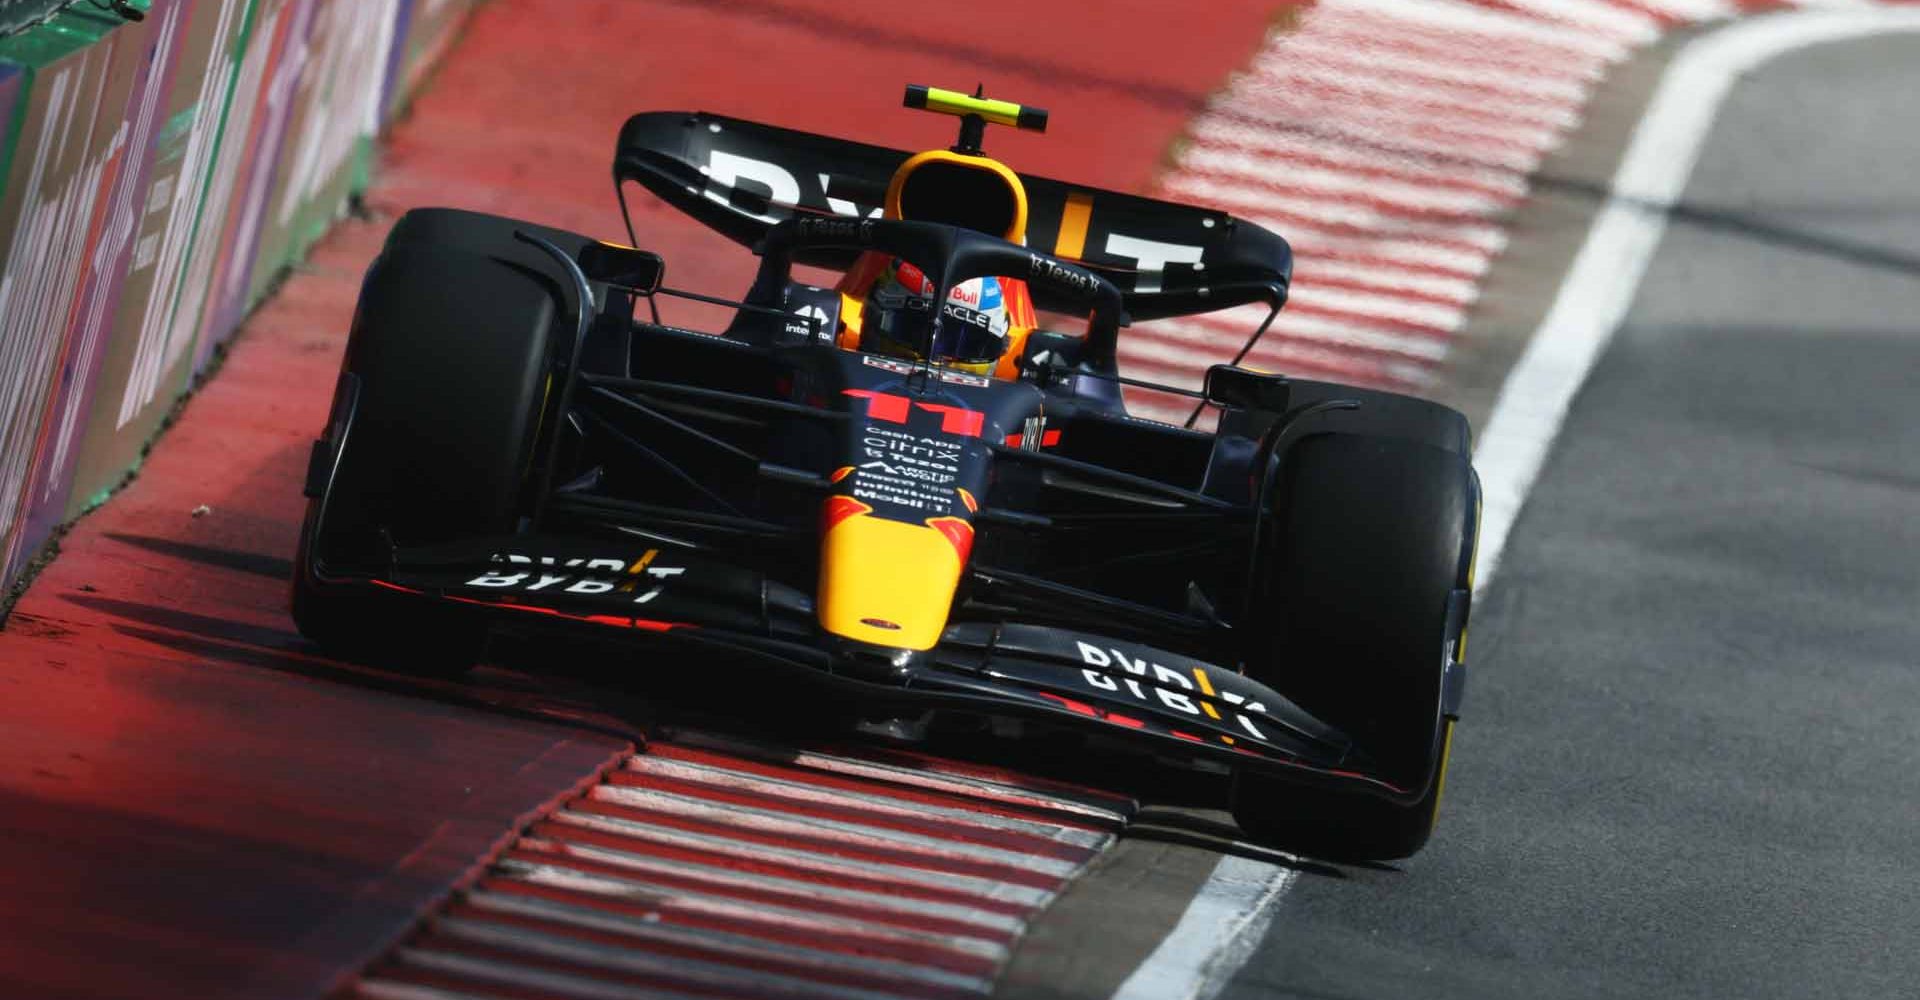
901 319
967 335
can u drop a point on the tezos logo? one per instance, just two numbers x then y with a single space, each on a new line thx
1060 274
819 228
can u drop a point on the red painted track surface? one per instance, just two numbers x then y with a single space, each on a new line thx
194 804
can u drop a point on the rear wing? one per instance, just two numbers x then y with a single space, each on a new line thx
741 177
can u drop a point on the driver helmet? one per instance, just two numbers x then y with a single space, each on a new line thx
896 318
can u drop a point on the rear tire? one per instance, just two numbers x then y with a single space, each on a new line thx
1373 536
451 347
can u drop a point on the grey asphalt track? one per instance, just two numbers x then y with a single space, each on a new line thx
1691 764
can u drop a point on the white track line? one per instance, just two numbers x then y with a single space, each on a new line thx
1214 936
1599 288
1224 922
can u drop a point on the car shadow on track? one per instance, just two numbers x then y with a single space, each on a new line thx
1177 806
258 564
209 639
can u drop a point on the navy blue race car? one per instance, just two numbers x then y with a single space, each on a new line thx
920 487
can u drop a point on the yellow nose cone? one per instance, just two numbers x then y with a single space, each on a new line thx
889 583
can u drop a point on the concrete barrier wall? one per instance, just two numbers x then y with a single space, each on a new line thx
154 177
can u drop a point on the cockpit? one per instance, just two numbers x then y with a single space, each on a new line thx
887 307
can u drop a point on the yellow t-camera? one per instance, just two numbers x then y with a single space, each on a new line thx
974 111
953 102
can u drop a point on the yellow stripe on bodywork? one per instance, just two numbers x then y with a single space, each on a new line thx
873 569
1206 687
1072 241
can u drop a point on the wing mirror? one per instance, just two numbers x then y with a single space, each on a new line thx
1244 389
639 271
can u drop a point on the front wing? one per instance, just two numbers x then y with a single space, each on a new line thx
1176 705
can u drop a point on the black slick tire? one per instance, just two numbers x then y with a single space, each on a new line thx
451 350
1373 535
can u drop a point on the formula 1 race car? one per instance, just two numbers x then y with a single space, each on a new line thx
906 488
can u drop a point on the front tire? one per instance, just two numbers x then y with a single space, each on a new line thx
451 352
1372 541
